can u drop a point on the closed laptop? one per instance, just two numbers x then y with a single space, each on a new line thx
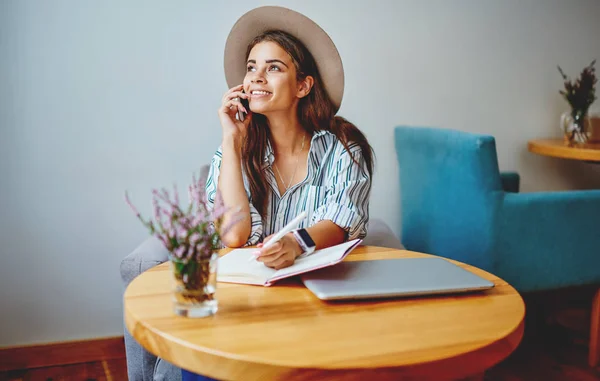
392 278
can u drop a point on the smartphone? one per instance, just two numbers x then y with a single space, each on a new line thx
240 114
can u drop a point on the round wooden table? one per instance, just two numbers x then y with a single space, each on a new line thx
558 148
284 332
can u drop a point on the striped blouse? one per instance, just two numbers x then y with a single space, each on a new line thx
336 188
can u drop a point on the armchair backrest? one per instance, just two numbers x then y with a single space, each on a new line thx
450 190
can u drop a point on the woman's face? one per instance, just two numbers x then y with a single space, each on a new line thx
271 79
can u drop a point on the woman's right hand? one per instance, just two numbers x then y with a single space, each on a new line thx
234 131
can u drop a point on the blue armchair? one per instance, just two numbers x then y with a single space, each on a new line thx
456 204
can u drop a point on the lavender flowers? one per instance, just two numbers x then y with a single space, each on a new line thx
581 93
192 233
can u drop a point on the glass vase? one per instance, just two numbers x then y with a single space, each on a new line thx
573 125
194 286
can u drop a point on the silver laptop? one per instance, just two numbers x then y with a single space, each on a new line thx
392 278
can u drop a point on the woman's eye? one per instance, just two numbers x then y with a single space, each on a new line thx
250 68
274 68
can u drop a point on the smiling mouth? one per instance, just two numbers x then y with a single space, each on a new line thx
260 93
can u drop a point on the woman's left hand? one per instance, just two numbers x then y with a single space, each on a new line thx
282 254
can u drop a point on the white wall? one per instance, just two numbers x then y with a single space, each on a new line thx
99 97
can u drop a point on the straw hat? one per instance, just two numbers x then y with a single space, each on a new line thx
320 45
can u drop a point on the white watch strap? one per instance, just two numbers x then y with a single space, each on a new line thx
305 250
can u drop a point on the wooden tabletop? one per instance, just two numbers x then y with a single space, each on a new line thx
558 148
284 332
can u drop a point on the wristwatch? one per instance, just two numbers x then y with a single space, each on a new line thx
306 243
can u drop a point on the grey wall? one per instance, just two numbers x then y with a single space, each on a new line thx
100 97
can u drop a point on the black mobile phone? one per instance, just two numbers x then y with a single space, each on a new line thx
242 115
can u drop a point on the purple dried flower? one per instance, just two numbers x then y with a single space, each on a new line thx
167 199
182 232
197 220
200 186
163 239
131 205
194 238
204 246
581 93
193 231
218 212
156 209
191 195
175 194
171 232
167 225
179 252
164 196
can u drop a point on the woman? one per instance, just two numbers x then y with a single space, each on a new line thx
290 154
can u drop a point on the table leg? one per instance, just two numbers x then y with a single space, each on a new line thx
594 354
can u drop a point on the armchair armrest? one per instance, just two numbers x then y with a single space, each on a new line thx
549 240
380 234
510 181
148 254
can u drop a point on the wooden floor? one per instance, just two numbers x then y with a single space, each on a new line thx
555 344
557 358
109 370
554 348
550 359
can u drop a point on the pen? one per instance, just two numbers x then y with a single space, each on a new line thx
280 234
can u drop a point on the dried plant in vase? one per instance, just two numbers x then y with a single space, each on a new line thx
580 95
192 235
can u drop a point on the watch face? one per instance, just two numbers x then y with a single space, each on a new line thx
306 238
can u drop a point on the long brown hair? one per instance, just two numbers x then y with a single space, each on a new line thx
316 112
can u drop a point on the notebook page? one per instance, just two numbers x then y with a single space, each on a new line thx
316 259
237 267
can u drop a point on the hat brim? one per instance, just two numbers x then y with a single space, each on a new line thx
316 40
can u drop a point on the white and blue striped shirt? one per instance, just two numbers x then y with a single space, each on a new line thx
336 188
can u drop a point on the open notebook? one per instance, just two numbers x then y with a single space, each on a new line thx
236 266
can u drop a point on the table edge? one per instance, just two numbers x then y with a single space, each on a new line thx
537 146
